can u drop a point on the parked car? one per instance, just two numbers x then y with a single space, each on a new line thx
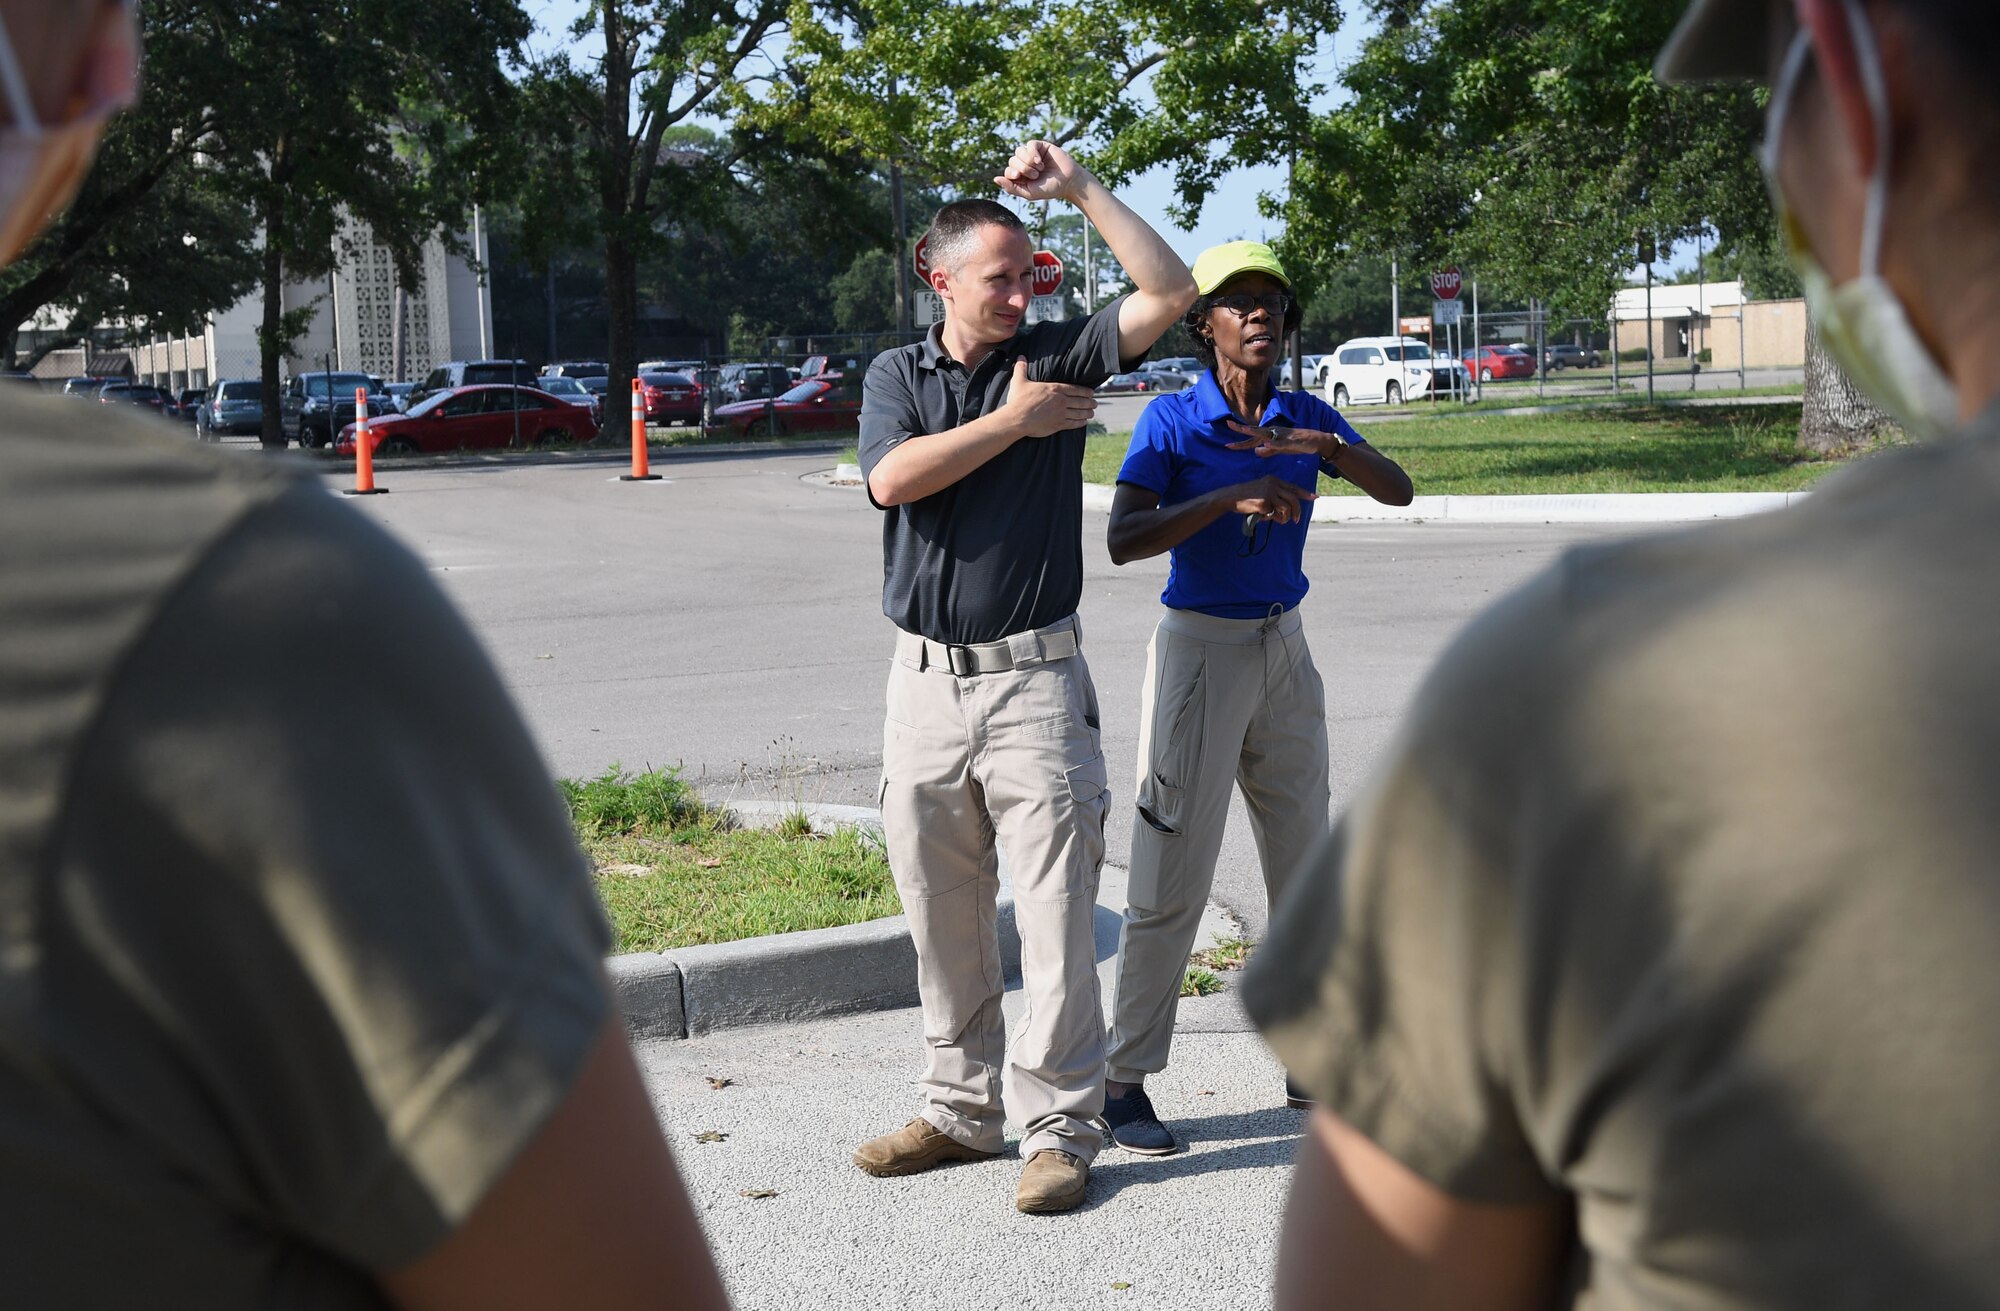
85 388
234 407
1125 383
1172 374
1574 357
475 418
816 365
398 394
1389 370
313 406
574 369
750 382
821 403
1308 370
571 392
596 385
665 366
671 398
1500 362
157 399
187 402
473 373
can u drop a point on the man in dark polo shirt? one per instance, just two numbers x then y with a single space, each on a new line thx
972 443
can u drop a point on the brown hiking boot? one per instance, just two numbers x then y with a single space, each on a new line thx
1051 1181
916 1147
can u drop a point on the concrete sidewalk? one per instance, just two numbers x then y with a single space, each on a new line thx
1193 1230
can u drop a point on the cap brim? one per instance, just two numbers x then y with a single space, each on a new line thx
1252 267
1718 41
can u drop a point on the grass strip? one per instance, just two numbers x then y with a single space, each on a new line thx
1724 448
672 871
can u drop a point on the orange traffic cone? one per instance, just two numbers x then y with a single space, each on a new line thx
364 449
639 472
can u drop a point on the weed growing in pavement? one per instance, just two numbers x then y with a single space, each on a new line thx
1228 954
1198 982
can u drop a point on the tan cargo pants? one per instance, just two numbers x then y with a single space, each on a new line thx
1224 700
1013 755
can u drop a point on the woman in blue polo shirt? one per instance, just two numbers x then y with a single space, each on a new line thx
1222 475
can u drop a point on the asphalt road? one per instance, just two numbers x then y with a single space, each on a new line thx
727 619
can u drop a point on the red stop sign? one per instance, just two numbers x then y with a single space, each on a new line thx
1445 284
1048 273
923 261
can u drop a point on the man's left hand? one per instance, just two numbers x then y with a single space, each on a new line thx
1042 170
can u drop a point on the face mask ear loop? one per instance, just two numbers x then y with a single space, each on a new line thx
18 104
1781 100
1869 56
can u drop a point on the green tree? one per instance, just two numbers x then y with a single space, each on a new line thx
663 64
1528 141
944 93
864 295
325 109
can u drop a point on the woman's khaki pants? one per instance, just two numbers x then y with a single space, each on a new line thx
1225 701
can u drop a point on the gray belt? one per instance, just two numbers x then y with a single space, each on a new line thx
1058 641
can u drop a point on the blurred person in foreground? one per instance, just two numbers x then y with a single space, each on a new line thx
972 445
1222 475
1661 960
292 1011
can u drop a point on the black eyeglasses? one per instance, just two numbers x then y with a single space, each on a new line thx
1241 303
1256 536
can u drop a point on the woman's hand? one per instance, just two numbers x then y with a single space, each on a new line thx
1270 497
1266 442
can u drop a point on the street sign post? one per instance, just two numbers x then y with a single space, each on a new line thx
1448 313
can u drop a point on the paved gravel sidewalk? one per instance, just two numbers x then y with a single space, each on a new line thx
1193 1230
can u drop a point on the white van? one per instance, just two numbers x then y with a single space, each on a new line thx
1386 370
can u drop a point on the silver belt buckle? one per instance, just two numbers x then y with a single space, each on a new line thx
961 660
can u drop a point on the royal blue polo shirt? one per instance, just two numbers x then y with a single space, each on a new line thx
1180 450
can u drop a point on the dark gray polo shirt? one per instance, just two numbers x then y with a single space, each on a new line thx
1000 551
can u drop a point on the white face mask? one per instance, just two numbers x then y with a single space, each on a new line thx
1862 324
41 165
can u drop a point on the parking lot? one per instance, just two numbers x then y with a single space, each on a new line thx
728 619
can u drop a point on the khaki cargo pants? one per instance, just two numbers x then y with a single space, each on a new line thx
1225 700
1013 755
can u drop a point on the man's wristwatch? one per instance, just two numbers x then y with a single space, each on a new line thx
1327 458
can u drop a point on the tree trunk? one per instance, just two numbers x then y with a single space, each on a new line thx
1838 418
269 332
621 289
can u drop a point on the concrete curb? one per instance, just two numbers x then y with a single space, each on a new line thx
1632 507
1623 507
785 977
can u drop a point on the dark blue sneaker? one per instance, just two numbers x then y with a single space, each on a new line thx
1296 1097
1134 1126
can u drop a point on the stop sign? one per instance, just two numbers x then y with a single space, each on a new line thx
1048 273
1446 283
923 261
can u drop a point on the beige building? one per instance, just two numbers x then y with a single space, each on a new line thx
1687 319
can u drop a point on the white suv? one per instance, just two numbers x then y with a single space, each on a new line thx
1386 370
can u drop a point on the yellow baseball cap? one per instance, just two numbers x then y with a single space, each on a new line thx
1218 264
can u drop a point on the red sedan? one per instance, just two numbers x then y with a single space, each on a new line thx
471 418
1491 362
670 398
830 402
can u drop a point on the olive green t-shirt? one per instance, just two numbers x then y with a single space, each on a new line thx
1678 894
296 949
